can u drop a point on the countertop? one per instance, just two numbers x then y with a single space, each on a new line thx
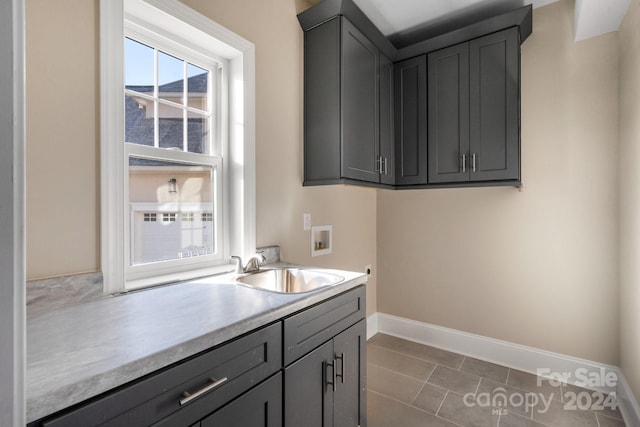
81 351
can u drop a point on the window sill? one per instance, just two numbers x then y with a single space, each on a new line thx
173 278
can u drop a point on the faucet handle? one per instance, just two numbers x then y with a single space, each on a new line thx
261 258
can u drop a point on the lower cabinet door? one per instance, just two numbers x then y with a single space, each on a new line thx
308 389
349 404
260 407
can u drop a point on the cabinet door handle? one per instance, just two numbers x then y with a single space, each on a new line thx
331 383
213 383
379 165
341 374
464 163
473 162
385 166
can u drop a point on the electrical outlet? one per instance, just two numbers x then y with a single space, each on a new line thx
369 270
306 221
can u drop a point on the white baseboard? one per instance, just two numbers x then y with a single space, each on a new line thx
372 325
512 355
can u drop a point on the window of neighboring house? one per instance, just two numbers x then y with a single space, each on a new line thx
178 169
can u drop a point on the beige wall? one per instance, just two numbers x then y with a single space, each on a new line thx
63 146
537 267
62 138
630 196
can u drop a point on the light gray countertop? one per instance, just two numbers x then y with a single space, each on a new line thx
78 352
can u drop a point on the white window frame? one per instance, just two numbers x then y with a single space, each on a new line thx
189 28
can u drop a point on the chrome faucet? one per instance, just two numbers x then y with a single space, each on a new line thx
252 266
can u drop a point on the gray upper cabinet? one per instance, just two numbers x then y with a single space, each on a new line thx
439 112
411 121
449 114
348 128
386 127
359 98
474 110
494 75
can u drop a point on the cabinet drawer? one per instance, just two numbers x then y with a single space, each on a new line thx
310 328
260 407
244 362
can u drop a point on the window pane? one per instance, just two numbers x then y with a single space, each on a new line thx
138 128
198 133
170 127
197 86
172 210
170 78
139 71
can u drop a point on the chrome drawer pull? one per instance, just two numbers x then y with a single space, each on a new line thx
188 397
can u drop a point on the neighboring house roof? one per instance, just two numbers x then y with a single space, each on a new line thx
139 122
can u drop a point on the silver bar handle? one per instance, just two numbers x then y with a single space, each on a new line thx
473 162
464 163
188 397
385 167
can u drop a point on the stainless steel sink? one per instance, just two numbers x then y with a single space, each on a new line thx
290 280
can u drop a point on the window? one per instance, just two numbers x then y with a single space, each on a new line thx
178 179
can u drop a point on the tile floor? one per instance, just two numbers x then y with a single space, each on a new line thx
410 384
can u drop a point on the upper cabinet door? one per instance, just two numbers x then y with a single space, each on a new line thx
448 89
410 124
495 109
387 174
360 140
322 103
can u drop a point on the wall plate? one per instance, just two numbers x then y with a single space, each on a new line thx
321 240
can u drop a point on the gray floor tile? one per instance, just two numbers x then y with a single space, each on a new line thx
410 384
558 416
513 420
392 384
530 382
430 398
466 412
451 379
600 403
605 421
398 362
385 412
420 351
485 369
501 396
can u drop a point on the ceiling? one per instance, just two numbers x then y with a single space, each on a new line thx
398 19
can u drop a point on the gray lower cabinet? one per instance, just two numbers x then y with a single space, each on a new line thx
314 358
474 110
347 101
325 361
327 386
184 394
260 407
